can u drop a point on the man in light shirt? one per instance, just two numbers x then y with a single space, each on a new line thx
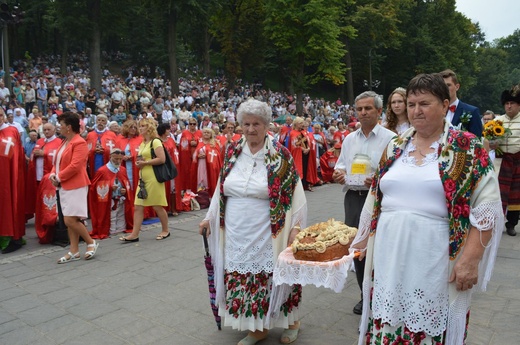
509 174
370 140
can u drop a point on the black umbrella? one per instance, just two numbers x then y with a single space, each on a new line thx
211 279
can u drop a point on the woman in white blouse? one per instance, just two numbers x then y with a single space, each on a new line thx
431 226
256 211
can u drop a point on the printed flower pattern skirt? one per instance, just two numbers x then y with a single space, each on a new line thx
247 302
383 334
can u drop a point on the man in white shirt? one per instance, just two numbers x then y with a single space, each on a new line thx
370 140
118 98
21 130
460 114
509 174
4 93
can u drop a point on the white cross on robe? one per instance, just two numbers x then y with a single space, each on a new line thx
53 155
176 153
8 143
212 154
110 144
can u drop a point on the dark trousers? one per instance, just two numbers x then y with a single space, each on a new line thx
353 203
305 165
60 231
512 218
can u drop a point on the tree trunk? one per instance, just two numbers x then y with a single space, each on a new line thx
299 84
94 14
64 54
172 50
207 42
350 79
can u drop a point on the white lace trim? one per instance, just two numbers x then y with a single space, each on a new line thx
254 258
485 217
428 159
420 310
331 274
364 225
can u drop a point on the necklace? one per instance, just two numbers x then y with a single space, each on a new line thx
420 152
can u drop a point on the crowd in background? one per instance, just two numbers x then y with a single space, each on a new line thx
196 125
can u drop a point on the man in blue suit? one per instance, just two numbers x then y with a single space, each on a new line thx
460 114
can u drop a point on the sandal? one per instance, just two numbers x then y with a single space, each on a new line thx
162 237
250 340
90 254
72 257
289 335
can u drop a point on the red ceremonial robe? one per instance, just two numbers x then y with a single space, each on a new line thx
187 179
100 201
50 150
284 132
107 140
327 163
46 211
213 163
296 151
12 183
339 136
174 199
312 167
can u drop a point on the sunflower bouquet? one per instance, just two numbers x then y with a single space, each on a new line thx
494 131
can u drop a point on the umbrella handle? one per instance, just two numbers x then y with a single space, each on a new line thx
205 238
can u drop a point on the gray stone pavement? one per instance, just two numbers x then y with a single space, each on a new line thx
155 292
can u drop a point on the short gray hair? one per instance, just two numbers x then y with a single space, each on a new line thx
378 101
255 108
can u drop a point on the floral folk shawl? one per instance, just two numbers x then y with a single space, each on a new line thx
472 197
281 176
462 163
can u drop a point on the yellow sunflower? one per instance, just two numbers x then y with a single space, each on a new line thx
498 130
489 124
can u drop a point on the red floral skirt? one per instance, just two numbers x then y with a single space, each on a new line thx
247 301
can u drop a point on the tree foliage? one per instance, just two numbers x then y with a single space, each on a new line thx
302 44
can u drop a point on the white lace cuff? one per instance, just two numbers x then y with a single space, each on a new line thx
485 217
364 226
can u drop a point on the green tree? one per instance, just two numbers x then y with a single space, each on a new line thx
236 25
306 34
377 26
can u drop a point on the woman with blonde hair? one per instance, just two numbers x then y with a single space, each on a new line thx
150 192
396 115
129 142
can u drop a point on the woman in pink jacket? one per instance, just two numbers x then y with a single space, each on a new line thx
70 178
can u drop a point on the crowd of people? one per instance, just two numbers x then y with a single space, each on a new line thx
70 152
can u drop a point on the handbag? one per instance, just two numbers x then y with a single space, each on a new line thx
143 193
166 171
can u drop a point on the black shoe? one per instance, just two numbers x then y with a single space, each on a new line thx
12 247
511 231
358 308
128 240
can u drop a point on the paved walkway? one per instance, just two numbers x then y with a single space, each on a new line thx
155 292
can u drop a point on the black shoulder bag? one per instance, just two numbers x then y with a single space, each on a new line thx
166 171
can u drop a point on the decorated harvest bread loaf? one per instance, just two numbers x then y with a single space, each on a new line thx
325 241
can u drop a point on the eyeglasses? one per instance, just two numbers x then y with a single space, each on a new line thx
116 152
192 124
